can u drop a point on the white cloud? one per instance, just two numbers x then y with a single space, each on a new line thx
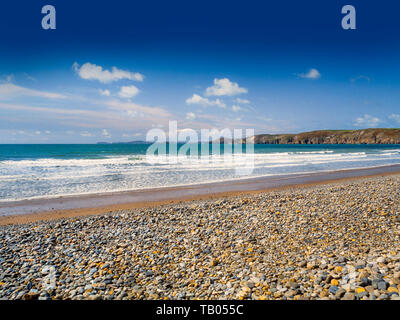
37 132
106 92
224 87
311 74
395 117
242 101
361 77
153 112
59 111
190 116
236 108
126 135
128 92
367 120
86 134
47 132
10 78
106 134
91 71
111 114
196 99
8 90
29 77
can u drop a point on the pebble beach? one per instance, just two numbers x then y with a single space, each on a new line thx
335 241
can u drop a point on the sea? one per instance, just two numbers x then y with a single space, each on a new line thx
53 170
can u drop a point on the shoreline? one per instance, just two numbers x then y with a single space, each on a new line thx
95 204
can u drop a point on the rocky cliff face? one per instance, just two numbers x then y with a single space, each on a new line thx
365 136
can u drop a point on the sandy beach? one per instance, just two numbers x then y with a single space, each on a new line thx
323 239
199 151
27 211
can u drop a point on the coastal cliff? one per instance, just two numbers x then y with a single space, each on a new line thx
365 136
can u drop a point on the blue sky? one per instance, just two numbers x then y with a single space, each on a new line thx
111 72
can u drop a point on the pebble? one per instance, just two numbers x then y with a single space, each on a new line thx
320 242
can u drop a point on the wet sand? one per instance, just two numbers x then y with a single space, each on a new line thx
28 211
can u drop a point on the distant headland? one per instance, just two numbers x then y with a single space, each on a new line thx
364 136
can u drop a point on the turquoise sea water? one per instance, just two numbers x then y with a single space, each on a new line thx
36 171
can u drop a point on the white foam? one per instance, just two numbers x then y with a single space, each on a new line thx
55 177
